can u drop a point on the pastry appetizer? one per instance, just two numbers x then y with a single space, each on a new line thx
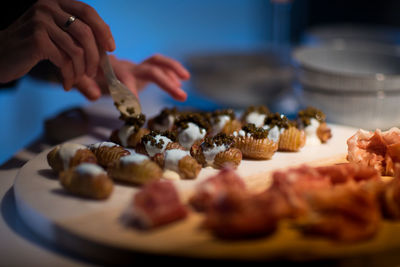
157 142
179 161
255 115
164 121
107 152
87 180
254 143
284 132
69 155
223 121
217 151
135 169
157 204
313 122
191 128
131 133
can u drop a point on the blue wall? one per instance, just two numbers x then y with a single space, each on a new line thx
141 28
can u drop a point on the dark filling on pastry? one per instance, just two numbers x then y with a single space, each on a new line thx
256 132
151 137
136 120
304 116
223 112
200 119
218 140
277 119
165 113
257 109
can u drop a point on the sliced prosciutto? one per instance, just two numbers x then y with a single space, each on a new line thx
378 149
215 187
157 204
346 213
239 214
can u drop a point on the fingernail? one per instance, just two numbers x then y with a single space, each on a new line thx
66 86
111 44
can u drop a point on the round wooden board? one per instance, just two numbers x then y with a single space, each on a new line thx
96 228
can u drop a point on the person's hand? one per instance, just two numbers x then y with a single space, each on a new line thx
41 34
167 73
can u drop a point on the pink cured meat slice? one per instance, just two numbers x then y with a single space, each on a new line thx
215 187
157 204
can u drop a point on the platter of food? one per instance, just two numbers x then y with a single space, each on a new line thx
252 192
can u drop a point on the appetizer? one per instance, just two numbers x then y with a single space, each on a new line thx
253 142
284 132
191 128
69 155
131 133
180 161
87 180
164 121
223 121
217 151
312 120
255 115
157 204
107 152
134 168
157 142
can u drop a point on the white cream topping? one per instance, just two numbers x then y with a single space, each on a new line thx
218 126
172 158
256 118
275 133
135 158
67 151
209 154
190 135
311 133
166 124
124 133
89 169
101 144
241 133
152 150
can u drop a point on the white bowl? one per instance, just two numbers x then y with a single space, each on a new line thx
240 79
356 85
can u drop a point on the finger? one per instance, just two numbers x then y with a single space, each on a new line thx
156 75
172 75
83 35
87 14
170 63
89 88
50 51
68 45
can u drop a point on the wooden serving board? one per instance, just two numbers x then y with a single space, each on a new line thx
96 228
